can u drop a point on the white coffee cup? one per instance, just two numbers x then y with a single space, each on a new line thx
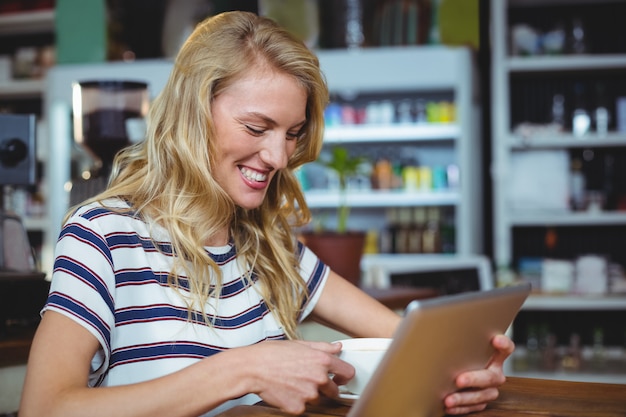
364 354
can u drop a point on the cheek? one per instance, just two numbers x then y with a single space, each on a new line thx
292 145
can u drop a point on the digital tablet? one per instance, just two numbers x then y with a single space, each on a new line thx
438 339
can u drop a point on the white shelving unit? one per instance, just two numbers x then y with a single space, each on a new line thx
21 89
506 142
26 23
412 71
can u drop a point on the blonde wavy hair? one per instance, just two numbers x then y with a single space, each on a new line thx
168 176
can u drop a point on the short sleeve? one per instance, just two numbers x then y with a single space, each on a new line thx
83 285
315 272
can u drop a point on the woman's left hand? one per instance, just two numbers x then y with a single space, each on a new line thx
477 388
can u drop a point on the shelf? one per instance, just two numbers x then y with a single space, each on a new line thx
375 198
27 22
399 132
575 302
536 3
572 376
562 140
567 218
611 371
565 63
22 89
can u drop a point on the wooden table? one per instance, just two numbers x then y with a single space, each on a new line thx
519 397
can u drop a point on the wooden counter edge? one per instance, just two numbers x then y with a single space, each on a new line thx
519 397
556 397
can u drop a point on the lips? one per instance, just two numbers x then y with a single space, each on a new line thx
253 175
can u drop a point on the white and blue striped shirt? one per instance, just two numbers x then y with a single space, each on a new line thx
110 278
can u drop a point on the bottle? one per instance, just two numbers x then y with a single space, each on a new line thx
558 111
571 359
431 241
417 230
403 230
577 186
601 112
532 347
581 121
609 189
578 41
420 111
549 353
448 232
598 358
388 236
434 37
354 36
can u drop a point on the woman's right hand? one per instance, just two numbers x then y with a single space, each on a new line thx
290 374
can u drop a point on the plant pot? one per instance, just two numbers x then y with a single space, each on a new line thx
342 252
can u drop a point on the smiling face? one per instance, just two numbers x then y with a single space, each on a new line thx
258 120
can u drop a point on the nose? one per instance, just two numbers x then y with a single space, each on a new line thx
275 151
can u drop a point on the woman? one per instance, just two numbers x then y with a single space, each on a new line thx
178 290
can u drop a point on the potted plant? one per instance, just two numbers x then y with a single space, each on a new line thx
340 248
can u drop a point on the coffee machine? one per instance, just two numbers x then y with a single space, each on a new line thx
23 288
108 115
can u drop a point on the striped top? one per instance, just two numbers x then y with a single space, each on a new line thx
111 279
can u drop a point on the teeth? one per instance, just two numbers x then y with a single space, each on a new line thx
253 175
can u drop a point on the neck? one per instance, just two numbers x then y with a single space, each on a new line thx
220 238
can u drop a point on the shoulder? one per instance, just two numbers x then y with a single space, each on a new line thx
97 209
107 218
111 211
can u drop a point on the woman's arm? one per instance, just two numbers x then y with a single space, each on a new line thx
284 374
346 308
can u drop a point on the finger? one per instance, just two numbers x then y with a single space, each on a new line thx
483 378
330 389
466 409
342 371
503 343
333 348
504 347
470 398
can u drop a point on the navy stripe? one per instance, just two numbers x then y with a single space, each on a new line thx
141 314
316 277
160 312
142 276
97 212
88 237
133 240
152 352
81 311
85 275
224 258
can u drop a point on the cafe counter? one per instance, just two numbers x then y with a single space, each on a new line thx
519 397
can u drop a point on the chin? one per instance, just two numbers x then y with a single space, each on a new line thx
249 205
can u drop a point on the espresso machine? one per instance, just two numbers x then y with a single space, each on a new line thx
108 115
23 288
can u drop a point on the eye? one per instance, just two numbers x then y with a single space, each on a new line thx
254 131
294 136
